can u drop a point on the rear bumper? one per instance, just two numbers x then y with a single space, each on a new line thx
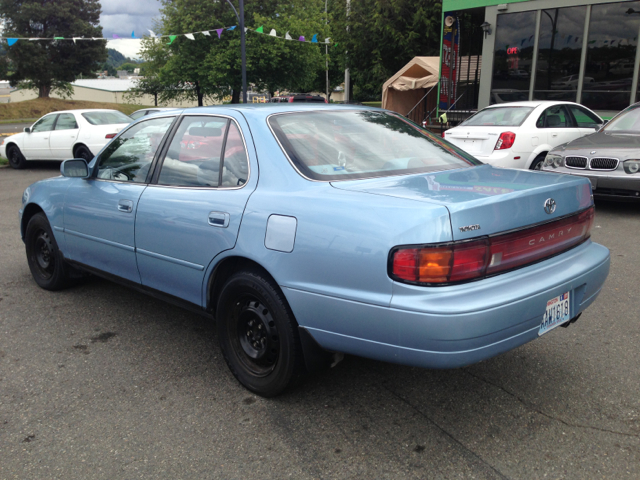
450 327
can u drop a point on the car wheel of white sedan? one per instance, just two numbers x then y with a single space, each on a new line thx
83 152
537 162
258 334
16 159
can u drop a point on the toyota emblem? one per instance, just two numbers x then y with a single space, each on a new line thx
550 205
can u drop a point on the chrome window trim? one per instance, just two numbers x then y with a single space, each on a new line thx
604 169
586 160
345 179
191 187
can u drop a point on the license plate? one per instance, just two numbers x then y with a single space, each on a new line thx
558 312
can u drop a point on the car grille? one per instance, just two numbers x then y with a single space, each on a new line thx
598 163
576 162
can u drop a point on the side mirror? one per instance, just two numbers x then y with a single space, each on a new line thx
76 167
27 129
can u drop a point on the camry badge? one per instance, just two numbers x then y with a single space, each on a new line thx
550 205
469 228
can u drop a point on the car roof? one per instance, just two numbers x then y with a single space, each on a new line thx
266 109
533 103
85 110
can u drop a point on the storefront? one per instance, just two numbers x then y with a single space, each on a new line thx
574 50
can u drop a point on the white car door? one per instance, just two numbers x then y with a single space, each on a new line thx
36 142
63 137
557 125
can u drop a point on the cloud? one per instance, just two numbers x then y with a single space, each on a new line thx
121 17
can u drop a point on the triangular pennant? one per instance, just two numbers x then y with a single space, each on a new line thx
232 28
206 33
314 39
287 36
32 39
115 36
190 36
219 32
301 39
245 29
74 39
58 38
172 38
133 34
273 32
152 33
260 29
11 41
327 40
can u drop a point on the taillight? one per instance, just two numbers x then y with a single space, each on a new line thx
442 134
505 141
110 135
290 99
479 258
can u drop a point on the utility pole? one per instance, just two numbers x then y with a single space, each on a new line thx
347 77
242 47
326 51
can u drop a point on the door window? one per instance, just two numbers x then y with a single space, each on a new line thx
554 117
66 121
128 157
195 154
45 124
584 118
235 169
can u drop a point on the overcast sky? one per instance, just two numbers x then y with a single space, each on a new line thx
121 17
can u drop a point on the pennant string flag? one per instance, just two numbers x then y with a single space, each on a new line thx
272 32
11 41
172 38
190 36
133 34
260 29
219 32
287 36
301 39
314 39
206 33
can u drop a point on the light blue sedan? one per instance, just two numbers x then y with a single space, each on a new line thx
309 231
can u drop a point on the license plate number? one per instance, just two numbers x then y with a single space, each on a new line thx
558 311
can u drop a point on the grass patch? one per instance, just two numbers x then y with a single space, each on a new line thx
373 104
24 112
3 161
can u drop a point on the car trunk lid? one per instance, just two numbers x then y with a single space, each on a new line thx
477 141
485 200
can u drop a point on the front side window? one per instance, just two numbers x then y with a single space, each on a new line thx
584 118
45 124
499 117
627 122
343 145
108 117
554 117
66 121
128 157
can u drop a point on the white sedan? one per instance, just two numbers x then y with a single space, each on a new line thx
62 135
519 134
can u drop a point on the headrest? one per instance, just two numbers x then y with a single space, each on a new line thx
205 132
553 120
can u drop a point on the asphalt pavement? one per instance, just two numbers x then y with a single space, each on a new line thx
98 381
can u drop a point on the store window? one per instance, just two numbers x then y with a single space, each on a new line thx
613 39
559 49
513 57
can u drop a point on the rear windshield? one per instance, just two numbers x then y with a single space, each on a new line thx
499 117
106 118
626 122
342 145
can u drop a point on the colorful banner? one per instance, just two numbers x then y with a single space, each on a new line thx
171 38
449 69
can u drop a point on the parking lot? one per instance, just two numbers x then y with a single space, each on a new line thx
99 381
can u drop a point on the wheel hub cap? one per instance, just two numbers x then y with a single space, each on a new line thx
258 334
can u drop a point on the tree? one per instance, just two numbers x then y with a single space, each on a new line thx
128 66
51 65
382 37
210 67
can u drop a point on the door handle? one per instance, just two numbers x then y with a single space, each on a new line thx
219 219
125 206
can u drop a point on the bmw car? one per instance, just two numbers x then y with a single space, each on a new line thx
610 158
311 231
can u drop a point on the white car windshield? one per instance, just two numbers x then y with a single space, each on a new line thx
342 145
626 122
499 117
106 118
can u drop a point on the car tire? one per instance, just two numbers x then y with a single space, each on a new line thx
45 260
83 152
258 334
537 162
15 157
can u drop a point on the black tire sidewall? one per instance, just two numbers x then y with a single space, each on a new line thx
59 278
536 161
20 163
288 365
84 153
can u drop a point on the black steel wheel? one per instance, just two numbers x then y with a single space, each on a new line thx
16 159
83 152
538 161
258 334
45 260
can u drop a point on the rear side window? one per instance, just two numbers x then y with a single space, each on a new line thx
343 145
554 117
106 118
499 117
66 121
